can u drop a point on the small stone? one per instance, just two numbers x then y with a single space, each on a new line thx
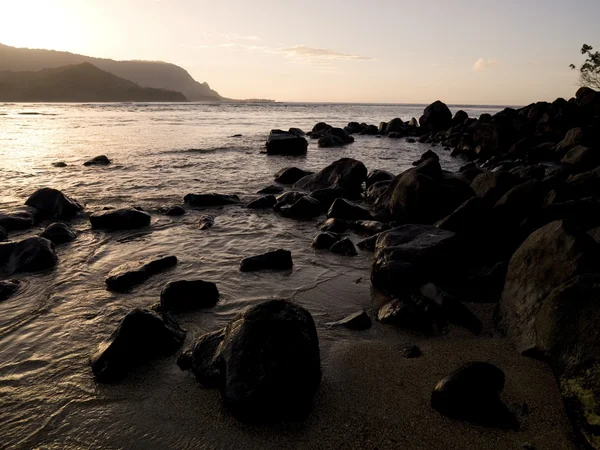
101 160
357 321
206 222
411 351
128 275
175 211
276 260
344 247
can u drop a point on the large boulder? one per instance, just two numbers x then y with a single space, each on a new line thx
128 275
19 219
59 233
582 157
344 247
29 255
210 200
346 173
101 160
266 202
8 288
305 208
377 175
289 175
275 260
347 210
266 362
325 240
120 219
411 255
395 126
436 116
142 335
188 295
283 143
491 186
331 140
53 203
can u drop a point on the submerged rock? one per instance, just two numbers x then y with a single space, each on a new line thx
289 175
266 362
8 288
53 203
59 164
142 335
59 233
283 143
210 200
120 219
271 189
346 210
325 240
20 219
29 255
344 247
472 393
128 275
359 320
331 141
101 160
206 222
275 260
346 173
377 175
265 202
175 211
188 295
334 225
304 208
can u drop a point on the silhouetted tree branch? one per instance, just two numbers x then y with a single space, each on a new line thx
589 72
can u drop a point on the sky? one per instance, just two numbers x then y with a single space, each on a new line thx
494 52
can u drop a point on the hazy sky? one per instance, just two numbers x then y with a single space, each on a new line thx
460 51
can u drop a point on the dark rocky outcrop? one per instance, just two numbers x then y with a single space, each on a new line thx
120 219
473 393
306 207
265 202
359 320
436 116
266 362
346 210
346 173
275 260
29 255
271 189
141 336
283 143
8 288
210 200
344 247
289 175
59 233
325 240
188 295
128 275
53 204
101 160
491 186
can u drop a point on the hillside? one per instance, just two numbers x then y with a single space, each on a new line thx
150 74
77 83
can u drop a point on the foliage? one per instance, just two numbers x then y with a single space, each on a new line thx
589 72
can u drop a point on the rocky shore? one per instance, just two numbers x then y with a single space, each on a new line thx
508 245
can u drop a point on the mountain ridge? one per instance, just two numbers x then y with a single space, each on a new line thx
149 74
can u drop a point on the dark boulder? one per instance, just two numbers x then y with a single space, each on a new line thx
271 189
120 219
410 312
8 288
128 275
29 255
491 186
377 175
101 160
473 393
19 218
359 320
573 138
304 208
376 190
429 154
436 116
59 164
297 132
266 362
346 210
344 247
141 336
518 203
582 157
175 211
210 200
287 199
411 255
59 233
325 240
334 225
395 135
331 140
327 196
346 173
321 127
459 117
282 143
395 126
411 351
53 203
265 202
205 222
3 234
341 133
188 295
368 227
370 130
368 244
276 260
472 218
289 175
450 309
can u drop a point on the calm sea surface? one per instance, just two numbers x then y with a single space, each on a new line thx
48 397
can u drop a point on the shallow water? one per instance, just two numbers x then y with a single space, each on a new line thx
48 396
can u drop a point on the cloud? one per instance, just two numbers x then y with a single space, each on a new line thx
238 37
485 64
319 54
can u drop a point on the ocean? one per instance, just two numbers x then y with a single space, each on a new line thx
161 152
